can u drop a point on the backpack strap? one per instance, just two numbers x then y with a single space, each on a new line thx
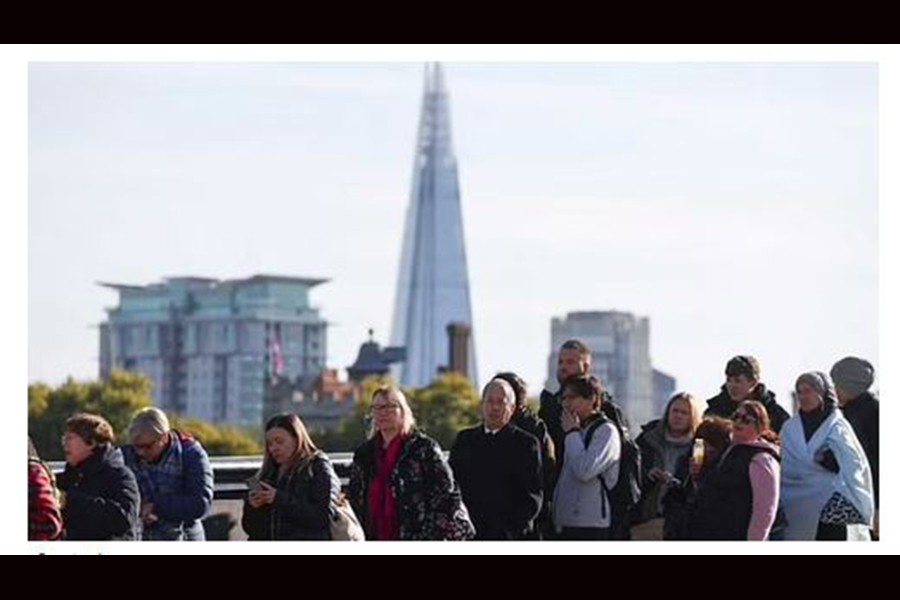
595 424
588 435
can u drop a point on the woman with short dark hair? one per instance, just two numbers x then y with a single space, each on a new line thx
101 494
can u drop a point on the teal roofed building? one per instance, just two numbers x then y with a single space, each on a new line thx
211 346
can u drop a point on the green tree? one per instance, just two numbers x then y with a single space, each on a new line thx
218 440
352 431
116 400
444 408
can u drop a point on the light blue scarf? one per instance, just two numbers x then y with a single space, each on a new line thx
806 486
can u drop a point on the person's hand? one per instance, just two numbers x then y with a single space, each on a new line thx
569 421
265 494
147 514
657 474
695 469
826 458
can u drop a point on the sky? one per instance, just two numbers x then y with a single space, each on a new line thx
734 204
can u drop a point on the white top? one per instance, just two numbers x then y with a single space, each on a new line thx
579 500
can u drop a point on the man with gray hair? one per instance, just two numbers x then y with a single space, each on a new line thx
852 378
174 475
498 467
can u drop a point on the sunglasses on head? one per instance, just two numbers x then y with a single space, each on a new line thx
745 418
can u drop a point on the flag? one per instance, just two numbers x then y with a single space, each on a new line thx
277 358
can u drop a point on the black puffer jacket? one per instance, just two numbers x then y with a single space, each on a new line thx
304 503
102 501
724 504
723 406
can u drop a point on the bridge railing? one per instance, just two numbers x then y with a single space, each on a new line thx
230 473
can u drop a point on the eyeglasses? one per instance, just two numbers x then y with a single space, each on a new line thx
744 418
384 407
146 445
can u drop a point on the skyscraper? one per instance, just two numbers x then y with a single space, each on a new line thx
433 283
620 356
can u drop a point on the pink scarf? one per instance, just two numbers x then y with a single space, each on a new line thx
382 508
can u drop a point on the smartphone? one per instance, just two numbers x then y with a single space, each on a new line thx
256 486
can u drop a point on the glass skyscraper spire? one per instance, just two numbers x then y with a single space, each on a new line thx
433 283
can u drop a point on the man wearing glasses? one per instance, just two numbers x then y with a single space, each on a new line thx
174 475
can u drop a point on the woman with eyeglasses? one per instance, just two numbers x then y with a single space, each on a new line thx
401 487
293 495
738 499
101 497
826 488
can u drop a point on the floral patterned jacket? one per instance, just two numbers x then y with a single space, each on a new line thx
429 503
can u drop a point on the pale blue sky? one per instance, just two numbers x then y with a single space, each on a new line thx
733 204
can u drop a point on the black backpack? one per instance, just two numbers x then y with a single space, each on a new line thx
626 493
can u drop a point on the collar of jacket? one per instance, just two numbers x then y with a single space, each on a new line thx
371 446
861 400
100 455
654 434
591 418
502 431
760 393
524 414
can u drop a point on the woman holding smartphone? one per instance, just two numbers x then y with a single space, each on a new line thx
293 495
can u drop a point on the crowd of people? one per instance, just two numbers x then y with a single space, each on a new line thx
740 468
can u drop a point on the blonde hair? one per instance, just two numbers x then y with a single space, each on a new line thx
694 407
389 391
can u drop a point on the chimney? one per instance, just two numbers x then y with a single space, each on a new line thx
458 334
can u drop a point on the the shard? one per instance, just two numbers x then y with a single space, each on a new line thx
433 283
